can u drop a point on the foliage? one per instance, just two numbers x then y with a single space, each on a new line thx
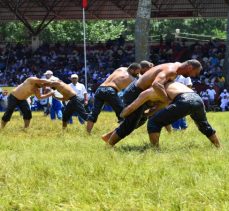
103 30
44 168
13 31
200 26
72 31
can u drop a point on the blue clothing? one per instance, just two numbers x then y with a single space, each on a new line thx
56 109
180 124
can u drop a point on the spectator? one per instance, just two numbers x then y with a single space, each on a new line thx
81 92
212 93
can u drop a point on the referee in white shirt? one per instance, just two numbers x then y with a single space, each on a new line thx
80 91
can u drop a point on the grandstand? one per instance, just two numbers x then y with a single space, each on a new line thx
19 61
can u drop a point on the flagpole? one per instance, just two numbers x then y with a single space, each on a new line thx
84 43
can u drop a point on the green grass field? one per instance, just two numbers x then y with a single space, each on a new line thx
47 169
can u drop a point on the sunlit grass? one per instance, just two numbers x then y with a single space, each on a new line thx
45 168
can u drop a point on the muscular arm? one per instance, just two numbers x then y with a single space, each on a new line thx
35 80
42 96
159 82
142 98
157 107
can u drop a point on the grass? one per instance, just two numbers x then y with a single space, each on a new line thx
44 168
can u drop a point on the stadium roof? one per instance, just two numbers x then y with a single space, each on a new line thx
107 9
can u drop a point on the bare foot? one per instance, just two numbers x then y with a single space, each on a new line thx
106 137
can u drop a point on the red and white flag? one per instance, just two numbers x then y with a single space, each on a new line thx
84 4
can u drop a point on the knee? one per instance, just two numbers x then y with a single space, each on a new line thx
7 115
153 126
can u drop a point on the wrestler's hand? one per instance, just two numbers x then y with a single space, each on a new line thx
53 93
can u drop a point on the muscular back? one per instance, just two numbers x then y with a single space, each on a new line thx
65 90
119 79
175 88
25 90
148 78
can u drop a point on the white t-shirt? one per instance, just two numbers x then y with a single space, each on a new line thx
184 80
211 93
223 94
79 89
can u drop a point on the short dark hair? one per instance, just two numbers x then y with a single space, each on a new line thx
195 64
134 66
146 64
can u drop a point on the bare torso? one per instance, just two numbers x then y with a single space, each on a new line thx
173 89
119 79
65 90
25 90
151 97
146 80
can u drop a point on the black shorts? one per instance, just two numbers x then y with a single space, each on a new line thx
74 105
131 93
109 95
184 104
13 102
132 121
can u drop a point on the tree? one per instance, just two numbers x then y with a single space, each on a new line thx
72 31
142 30
13 31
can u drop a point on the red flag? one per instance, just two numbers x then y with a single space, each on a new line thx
84 4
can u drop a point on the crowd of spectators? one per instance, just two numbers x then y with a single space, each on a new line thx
18 62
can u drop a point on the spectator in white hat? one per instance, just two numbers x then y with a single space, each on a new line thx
81 92
55 105
79 88
49 75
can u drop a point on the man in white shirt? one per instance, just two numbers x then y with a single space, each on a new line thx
211 92
80 91
181 124
205 97
224 100
79 88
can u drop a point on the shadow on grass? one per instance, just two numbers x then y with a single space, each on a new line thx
164 149
140 148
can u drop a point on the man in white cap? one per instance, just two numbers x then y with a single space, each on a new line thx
49 75
56 105
224 100
79 88
80 91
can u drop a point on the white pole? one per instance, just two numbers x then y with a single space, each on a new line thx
84 43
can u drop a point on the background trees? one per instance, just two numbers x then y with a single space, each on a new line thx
103 30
